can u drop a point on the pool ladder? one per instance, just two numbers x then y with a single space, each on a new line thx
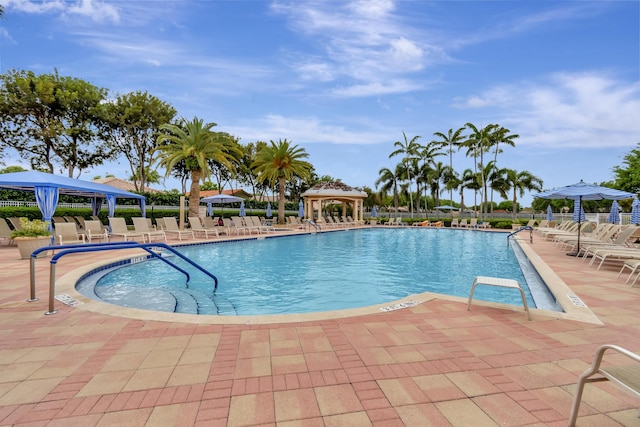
95 247
312 223
526 227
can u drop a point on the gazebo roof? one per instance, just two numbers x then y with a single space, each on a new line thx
334 189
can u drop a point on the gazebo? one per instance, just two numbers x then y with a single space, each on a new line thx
320 195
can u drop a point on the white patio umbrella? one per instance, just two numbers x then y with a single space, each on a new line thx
220 199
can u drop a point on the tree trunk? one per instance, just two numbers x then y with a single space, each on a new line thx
281 186
194 193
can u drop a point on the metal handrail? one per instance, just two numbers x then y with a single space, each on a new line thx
312 222
526 227
114 245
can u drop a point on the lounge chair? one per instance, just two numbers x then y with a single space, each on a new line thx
119 228
633 265
620 241
620 254
171 228
462 223
232 227
542 224
627 377
67 234
246 224
15 222
602 234
141 225
59 220
238 222
262 227
454 222
197 227
80 220
473 223
5 231
72 220
93 230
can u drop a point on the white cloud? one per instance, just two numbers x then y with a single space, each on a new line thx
97 11
567 110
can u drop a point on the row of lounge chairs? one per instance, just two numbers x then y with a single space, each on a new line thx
599 244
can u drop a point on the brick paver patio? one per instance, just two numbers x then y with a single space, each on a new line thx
431 364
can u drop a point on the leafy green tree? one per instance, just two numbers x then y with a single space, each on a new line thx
410 149
468 181
627 176
278 163
131 127
12 169
52 120
195 143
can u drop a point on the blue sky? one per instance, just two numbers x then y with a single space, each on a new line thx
344 79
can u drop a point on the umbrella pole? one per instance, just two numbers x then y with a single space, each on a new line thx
577 251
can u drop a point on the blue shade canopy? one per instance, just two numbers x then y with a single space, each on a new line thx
374 212
269 213
549 213
242 211
584 191
48 186
301 209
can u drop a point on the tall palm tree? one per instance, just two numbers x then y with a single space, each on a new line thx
390 181
519 182
468 181
279 162
410 149
479 143
439 172
452 140
195 143
501 135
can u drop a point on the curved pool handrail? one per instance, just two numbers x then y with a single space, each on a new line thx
35 253
80 248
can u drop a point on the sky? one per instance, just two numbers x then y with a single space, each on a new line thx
344 79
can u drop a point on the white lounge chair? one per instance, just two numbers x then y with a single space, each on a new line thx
67 234
119 228
170 227
198 228
5 231
141 225
93 230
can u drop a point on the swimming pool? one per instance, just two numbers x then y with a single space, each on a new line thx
317 272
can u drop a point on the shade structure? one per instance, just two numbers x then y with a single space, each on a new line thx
582 191
614 215
447 208
635 211
242 211
301 209
269 214
549 213
221 198
374 212
47 187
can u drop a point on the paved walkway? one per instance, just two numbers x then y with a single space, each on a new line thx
432 364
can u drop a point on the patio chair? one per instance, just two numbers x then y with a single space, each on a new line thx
170 226
119 228
627 377
59 220
80 220
94 230
67 234
462 223
473 223
454 222
197 228
72 220
15 222
620 241
245 224
141 225
262 227
232 227
5 231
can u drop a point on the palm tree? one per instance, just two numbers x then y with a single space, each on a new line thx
468 181
478 143
518 182
279 162
437 176
390 181
501 135
195 143
451 139
410 149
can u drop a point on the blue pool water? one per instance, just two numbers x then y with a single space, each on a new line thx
319 272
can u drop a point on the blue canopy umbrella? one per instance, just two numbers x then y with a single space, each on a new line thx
301 209
635 211
614 215
583 191
269 213
374 212
549 213
242 211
